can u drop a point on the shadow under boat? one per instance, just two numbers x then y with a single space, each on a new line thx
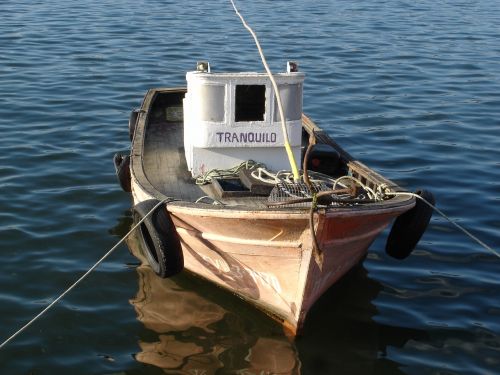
341 332
200 328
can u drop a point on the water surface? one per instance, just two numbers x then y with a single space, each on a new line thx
410 88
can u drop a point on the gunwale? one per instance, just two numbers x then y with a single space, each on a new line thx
139 176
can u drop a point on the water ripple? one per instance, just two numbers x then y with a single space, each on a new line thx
411 88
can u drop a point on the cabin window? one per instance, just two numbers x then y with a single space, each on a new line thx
212 105
291 98
250 103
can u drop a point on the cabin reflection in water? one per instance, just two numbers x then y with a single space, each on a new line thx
198 336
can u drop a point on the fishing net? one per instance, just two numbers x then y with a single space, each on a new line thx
298 194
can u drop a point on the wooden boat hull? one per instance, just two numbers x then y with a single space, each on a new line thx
266 257
263 254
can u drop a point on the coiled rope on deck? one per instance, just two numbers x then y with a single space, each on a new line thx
216 173
61 296
462 229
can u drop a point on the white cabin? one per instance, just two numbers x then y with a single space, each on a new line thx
233 117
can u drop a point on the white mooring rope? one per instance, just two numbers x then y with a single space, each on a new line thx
291 157
82 277
467 233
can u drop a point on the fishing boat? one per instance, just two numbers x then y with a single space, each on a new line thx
233 183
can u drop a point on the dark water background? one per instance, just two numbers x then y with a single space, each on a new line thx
412 88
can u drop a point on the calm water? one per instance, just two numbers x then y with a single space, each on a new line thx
412 88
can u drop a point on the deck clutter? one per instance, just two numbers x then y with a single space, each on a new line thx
234 211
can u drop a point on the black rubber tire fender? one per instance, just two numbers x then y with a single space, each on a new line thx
159 239
410 226
122 168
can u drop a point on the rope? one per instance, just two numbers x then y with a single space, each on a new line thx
288 149
81 278
226 173
262 174
265 176
328 194
317 251
371 193
467 233
214 201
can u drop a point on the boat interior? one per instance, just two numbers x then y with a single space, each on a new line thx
165 168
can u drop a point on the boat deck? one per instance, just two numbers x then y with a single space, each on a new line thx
165 164
166 169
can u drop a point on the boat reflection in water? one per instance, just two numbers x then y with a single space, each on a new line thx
199 336
202 329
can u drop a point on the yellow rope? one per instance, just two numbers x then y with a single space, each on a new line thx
291 158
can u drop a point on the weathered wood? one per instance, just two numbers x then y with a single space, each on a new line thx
165 164
263 254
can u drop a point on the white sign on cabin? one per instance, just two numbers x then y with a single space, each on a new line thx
233 117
